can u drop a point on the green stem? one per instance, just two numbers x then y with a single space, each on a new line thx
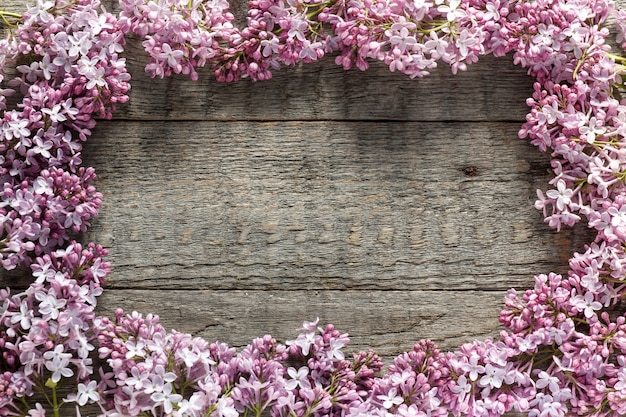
5 15
55 406
616 58
314 10
578 65
436 28
607 279
54 403
25 403
9 14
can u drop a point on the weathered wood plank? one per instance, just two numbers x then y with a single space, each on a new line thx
320 205
388 321
324 91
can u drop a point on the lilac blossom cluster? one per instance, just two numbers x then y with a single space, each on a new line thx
60 61
408 36
67 70
554 39
563 350
159 373
49 331
567 333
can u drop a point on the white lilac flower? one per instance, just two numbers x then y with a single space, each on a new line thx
85 394
391 399
57 362
166 398
299 378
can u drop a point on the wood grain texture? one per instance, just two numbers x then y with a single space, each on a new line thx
397 209
234 316
322 205
323 91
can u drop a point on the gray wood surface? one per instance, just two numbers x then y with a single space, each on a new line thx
397 209
387 229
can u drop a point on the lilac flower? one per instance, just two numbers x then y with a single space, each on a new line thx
299 378
38 411
138 379
304 341
225 408
545 406
86 393
166 398
473 367
335 353
15 128
462 388
24 316
402 40
591 128
57 362
562 195
452 10
494 377
49 304
586 303
172 57
391 399
546 380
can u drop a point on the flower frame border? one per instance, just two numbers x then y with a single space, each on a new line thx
562 352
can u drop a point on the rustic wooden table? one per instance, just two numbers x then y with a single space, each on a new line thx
396 209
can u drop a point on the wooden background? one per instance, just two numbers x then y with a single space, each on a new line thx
396 209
